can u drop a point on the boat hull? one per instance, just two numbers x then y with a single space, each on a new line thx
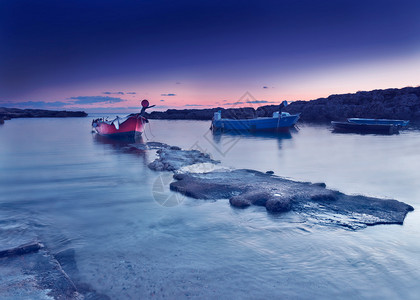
378 121
258 124
131 127
364 128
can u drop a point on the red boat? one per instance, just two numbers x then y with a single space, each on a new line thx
127 127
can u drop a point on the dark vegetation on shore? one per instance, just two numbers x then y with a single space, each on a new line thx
390 104
12 113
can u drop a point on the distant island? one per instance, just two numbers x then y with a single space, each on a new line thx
12 113
389 103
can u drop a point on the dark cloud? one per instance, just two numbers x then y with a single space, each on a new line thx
235 103
95 99
260 101
265 87
131 93
166 95
177 82
162 100
194 105
114 93
249 102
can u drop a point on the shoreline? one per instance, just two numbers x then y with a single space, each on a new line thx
14 113
402 104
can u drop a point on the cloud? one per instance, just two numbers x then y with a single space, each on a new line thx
194 105
165 95
177 82
34 104
162 100
249 102
235 103
114 93
265 87
95 99
260 101
131 93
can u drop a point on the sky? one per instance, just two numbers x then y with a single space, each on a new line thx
108 55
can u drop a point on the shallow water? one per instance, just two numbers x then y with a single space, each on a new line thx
72 190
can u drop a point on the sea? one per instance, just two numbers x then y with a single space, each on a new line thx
133 238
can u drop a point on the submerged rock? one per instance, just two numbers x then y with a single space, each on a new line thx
22 249
244 188
29 269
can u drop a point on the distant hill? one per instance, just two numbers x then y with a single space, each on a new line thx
390 103
11 113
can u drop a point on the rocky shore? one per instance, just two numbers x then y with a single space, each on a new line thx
12 113
390 103
244 188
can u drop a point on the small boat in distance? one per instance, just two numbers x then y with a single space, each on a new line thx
122 128
401 123
364 127
280 121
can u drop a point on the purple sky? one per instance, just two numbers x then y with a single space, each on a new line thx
108 55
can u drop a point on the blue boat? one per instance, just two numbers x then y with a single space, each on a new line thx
280 121
401 123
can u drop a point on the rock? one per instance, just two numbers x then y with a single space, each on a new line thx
244 188
390 103
269 172
174 158
1 121
37 275
279 204
22 249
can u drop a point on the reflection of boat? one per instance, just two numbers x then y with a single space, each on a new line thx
131 145
364 127
379 121
222 141
127 127
253 135
118 143
278 122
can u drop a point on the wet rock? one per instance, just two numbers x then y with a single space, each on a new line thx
244 188
22 249
37 276
157 145
279 204
174 158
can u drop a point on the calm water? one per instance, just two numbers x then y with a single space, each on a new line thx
62 184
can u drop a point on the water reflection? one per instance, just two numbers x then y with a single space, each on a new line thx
227 137
133 145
